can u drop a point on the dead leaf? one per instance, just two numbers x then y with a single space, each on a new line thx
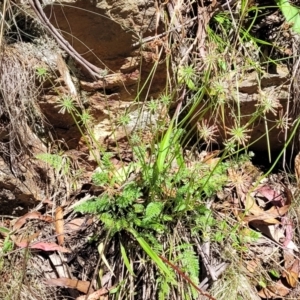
288 258
291 265
292 246
59 225
271 195
24 242
43 246
278 211
260 220
82 286
266 217
22 220
31 237
251 206
49 247
288 195
252 265
274 291
288 52
96 295
289 232
74 224
275 232
31 215
259 214
78 224
211 159
292 277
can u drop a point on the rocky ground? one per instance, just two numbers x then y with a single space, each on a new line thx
98 74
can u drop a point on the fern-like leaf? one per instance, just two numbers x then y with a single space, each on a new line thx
153 210
95 206
130 193
100 178
164 289
56 161
190 264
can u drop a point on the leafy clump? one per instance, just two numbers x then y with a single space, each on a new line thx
165 192
156 201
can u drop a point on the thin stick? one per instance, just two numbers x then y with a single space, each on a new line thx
186 278
94 71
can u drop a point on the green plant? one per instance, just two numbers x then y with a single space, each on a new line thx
41 73
190 264
59 162
291 14
149 206
7 245
124 120
187 75
66 104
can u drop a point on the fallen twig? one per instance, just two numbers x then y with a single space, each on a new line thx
186 278
94 71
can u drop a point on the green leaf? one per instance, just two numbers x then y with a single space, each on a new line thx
186 75
178 153
59 163
100 178
167 218
191 85
126 260
164 147
4 230
274 273
7 245
116 289
291 14
138 208
160 264
262 284
153 210
219 236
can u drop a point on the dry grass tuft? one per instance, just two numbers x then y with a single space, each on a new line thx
20 280
17 104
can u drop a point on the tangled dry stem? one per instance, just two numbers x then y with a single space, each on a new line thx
17 97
